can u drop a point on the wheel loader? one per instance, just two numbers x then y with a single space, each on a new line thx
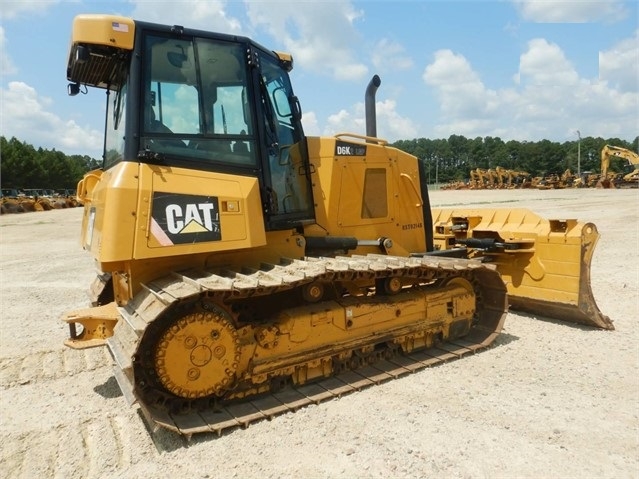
246 270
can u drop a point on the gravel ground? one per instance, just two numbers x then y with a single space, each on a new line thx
550 399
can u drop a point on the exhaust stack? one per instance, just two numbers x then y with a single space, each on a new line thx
369 103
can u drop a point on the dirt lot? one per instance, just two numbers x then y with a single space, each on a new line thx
548 400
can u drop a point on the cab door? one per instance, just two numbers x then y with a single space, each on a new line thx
287 188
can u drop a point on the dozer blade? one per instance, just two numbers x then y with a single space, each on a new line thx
545 264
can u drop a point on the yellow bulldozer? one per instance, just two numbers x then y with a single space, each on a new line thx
246 269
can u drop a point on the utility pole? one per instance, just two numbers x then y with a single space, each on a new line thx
579 155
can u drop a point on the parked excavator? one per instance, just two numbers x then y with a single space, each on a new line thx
246 269
483 179
629 180
476 181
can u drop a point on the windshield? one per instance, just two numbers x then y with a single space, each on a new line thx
196 102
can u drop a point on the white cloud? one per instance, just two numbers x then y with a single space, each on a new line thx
320 35
545 64
391 125
571 11
310 123
14 9
343 121
447 67
550 101
6 64
207 15
619 66
461 91
27 116
390 56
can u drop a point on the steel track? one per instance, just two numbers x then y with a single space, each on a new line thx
159 295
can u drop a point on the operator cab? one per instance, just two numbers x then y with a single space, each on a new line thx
197 100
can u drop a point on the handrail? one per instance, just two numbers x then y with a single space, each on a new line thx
368 139
86 184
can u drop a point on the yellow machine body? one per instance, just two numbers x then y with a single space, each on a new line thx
238 285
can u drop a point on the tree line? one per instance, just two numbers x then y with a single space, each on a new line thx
452 159
23 166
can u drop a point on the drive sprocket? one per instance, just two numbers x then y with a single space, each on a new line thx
198 355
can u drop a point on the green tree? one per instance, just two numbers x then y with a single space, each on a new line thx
22 166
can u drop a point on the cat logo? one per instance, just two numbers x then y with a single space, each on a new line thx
180 219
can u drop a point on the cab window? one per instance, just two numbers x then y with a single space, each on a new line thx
196 103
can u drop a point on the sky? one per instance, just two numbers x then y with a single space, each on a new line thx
523 70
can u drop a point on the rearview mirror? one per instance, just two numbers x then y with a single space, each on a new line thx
73 89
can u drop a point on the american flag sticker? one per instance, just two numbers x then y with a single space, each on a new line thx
119 27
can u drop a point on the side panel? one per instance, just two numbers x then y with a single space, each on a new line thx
367 191
187 212
109 223
138 211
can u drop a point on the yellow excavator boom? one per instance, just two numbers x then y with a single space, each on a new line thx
610 151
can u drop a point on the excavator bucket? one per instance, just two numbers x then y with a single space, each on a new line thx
545 264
